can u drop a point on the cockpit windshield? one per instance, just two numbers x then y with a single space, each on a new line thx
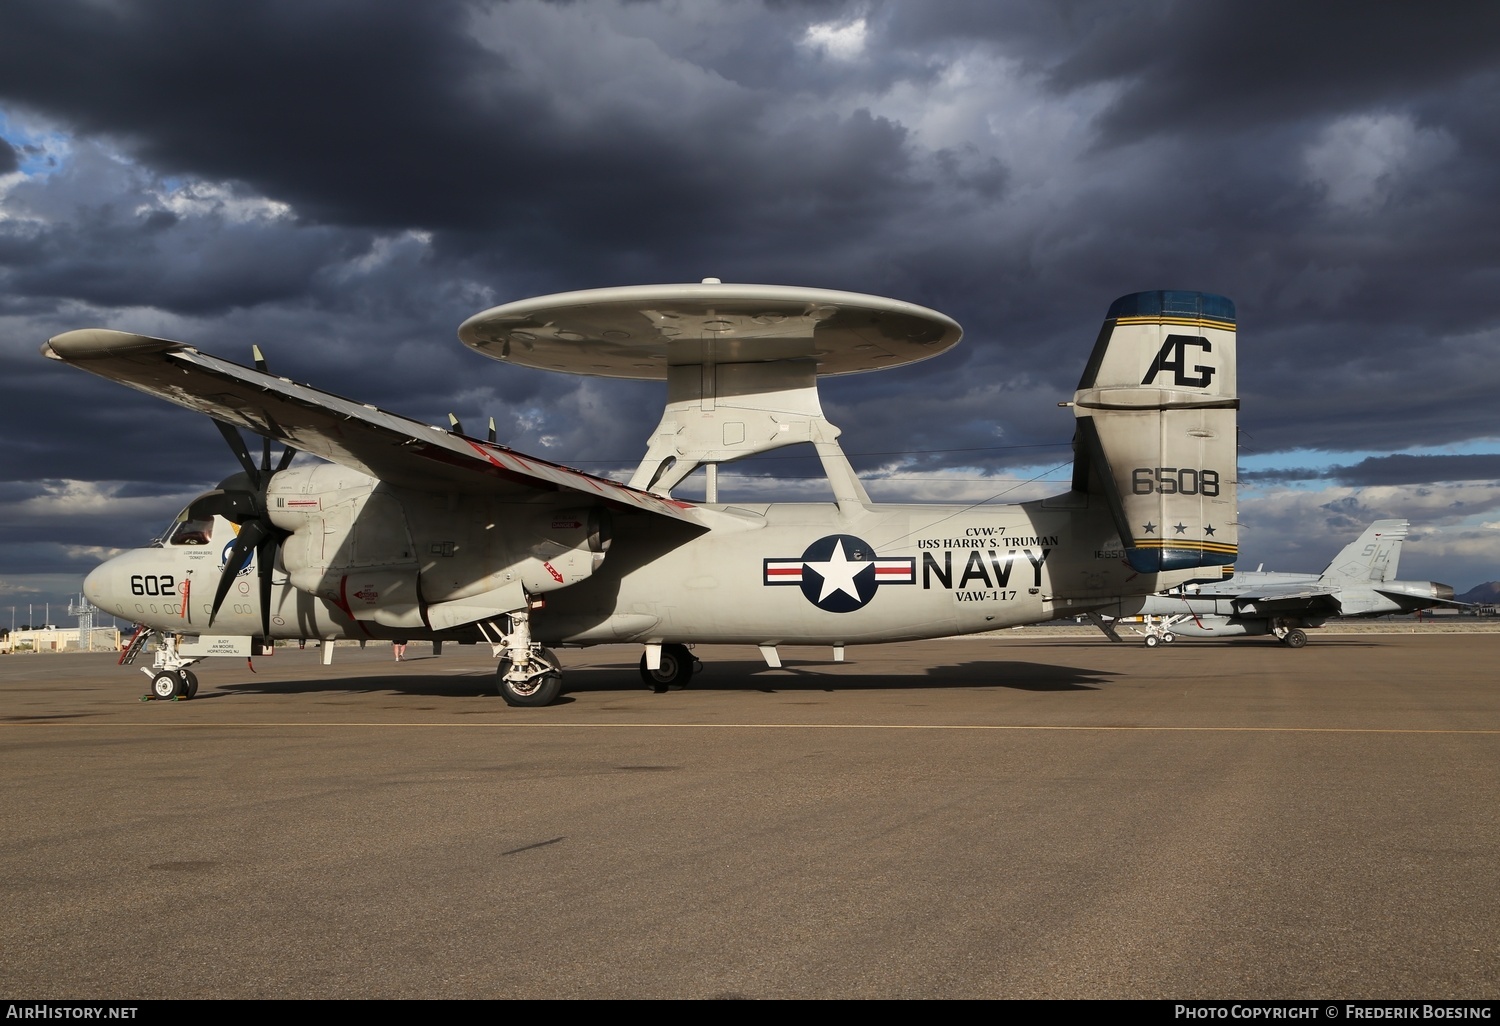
186 529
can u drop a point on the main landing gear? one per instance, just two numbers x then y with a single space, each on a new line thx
676 666
1293 637
528 675
539 682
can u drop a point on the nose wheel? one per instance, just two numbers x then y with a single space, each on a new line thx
169 684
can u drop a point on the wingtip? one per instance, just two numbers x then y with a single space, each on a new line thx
97 343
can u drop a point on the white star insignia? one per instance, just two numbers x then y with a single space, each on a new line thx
838 573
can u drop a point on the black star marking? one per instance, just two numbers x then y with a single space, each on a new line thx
1181 528
1209 531
1150 527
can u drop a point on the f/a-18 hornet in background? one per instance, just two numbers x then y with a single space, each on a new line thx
1360 582
406 531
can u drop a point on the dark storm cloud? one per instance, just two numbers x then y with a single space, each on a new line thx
344 182
1401 468
1194 68
307 100
139 262
1220 69
387 116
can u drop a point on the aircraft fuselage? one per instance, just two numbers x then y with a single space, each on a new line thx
804 573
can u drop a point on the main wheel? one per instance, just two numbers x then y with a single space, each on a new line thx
1152 641
535 691
677 665
1169 637
167 684
189 683
1295 638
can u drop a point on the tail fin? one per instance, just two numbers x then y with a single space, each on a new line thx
1373 556
1157 419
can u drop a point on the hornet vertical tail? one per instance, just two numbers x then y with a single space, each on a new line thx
1157 412
1371 557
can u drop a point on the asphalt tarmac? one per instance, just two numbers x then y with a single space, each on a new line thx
1022 817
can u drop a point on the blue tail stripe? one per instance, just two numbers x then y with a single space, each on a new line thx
1172 303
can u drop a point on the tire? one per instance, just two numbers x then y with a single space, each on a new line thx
1152 641
167 685
1169 637
677 665
189 683
533 693
1295 638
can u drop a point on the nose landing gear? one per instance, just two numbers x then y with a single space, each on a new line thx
170 677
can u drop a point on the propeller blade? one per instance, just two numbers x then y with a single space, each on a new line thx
250 536
266 553
286 459
237 445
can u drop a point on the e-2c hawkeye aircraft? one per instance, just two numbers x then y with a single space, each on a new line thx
416 532
1360 582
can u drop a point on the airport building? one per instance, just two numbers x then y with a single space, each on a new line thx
66 639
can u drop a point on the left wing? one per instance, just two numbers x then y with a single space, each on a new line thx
396 449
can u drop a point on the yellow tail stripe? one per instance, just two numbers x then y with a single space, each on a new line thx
1185 543
1192 322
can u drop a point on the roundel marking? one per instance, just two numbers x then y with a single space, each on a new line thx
840 573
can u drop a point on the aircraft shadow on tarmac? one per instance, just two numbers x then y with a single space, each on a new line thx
1181 645
721 675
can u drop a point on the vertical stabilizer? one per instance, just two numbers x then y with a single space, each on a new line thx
1157 411
1373 556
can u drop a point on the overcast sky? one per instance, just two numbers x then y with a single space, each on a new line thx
344 182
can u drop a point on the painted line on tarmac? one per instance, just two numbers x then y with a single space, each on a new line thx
283 725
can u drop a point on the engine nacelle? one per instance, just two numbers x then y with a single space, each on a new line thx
569 546
409 560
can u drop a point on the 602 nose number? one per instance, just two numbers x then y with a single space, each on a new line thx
152 584
1174 481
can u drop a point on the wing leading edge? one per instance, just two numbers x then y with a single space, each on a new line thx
384 445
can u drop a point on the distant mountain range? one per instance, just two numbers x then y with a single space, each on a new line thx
1487 593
